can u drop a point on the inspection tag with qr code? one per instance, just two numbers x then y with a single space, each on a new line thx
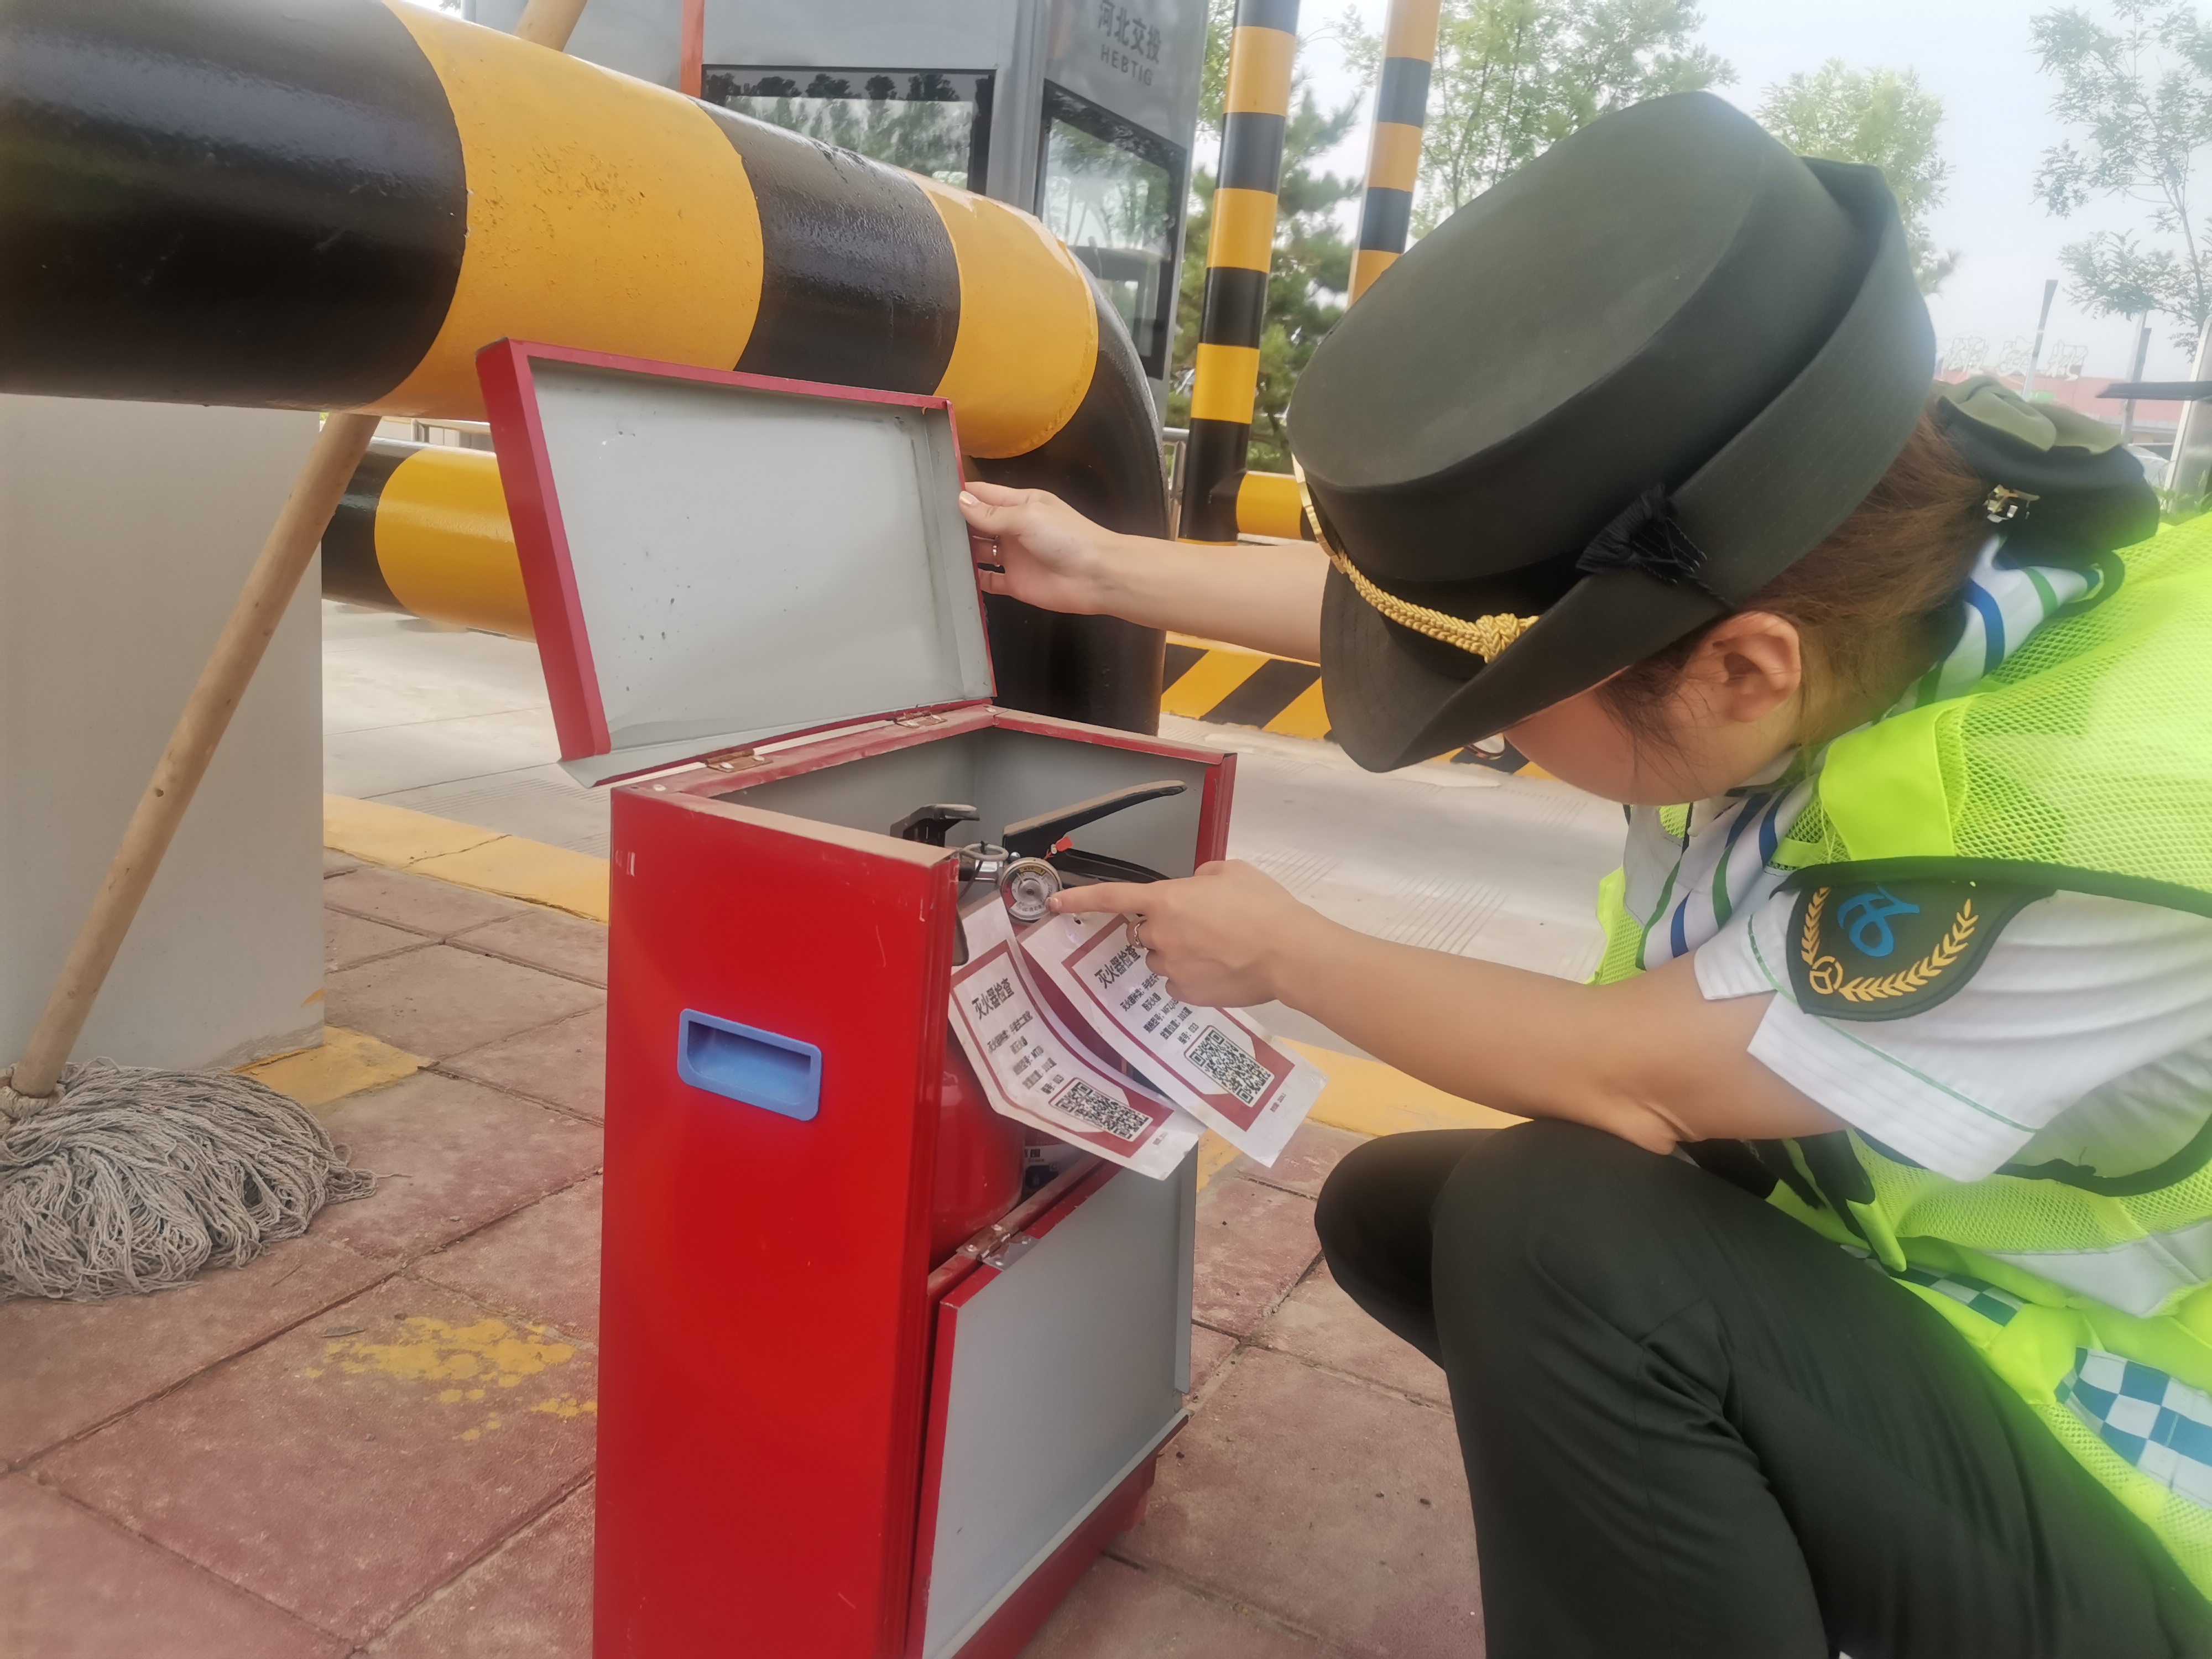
1035 1072
1212 1062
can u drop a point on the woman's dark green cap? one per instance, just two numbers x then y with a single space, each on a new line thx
1619 392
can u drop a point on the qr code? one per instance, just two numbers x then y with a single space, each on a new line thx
1213 1053
1086 1105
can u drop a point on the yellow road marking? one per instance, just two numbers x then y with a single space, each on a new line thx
468 855
1208 680
1303 717
1369 1098
346 1063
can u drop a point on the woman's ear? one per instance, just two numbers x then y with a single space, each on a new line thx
1751 665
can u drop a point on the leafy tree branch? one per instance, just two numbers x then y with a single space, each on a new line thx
1883 119
2138 91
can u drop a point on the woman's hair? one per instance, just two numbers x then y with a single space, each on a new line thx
1874 603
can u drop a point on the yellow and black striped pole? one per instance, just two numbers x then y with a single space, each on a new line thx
336 206
1243 243
1394 148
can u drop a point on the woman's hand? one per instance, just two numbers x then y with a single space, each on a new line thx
1051 556
1227 937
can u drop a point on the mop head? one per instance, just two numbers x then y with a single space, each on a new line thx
130 1179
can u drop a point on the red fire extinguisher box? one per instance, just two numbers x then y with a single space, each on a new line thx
818 1437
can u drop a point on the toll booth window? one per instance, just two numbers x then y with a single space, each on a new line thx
1112 192
931 121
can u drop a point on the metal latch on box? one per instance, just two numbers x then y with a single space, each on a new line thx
1012 1251
731 760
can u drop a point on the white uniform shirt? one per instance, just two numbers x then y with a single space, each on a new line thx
2086 1034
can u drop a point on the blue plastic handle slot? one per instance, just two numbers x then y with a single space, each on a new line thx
759 1068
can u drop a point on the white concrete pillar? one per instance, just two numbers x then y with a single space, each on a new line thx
125 532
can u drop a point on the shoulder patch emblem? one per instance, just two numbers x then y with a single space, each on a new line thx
1869 950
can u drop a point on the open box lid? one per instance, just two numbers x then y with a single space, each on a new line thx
714 561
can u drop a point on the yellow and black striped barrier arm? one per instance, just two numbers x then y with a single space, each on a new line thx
422 528
336 205
1393 148
1238 252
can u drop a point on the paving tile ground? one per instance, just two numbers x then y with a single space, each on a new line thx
343 1478
442 999
434 909
1208 1348
70 1366
323 1454
451 1157
350 941
532 1599
563 1064
74 1586
1119 1611
540 1263
1254 1243
546 939
1337 1505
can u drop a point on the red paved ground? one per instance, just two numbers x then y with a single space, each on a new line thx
378 1439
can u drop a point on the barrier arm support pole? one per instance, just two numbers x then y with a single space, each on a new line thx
1261 53
1393 148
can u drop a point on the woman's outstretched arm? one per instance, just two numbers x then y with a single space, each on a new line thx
1048 555
1648 1060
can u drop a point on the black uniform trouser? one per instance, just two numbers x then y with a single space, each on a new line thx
1693 1427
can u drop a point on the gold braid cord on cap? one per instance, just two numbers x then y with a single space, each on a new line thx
1482 636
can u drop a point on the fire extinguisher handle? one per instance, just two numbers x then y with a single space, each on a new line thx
1035 837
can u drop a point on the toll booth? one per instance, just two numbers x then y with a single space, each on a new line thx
1082 112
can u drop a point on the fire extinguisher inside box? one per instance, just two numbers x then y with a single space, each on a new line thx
826 1429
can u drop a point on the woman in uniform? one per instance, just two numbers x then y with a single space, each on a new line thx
1847 1290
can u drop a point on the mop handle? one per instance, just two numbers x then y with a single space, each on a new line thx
267 595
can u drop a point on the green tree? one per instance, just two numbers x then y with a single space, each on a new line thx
1312 265
2139 93
1513 77
1880 117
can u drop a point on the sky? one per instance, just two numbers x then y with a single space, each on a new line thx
1973 54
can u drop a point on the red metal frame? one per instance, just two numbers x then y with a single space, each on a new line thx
945 1341
506 369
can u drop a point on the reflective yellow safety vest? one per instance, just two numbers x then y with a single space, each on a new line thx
2084 762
